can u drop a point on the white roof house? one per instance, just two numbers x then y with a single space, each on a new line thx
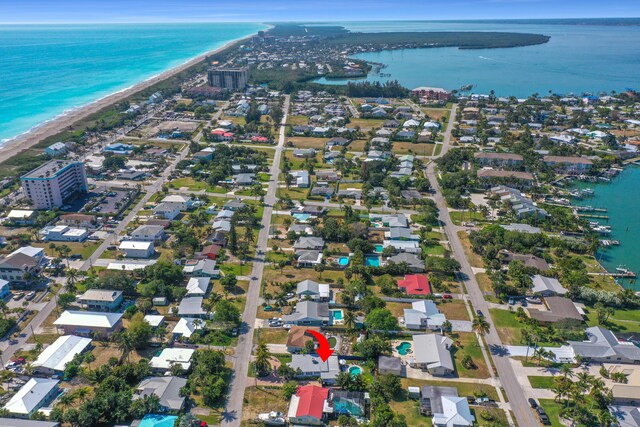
61 352
20 214
187 326
547 286
455 412
31 251
433 353
136 249
154 320
31 396
170 356
88 318
198 285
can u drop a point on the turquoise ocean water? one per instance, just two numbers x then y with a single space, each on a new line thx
577 58
49 69
621 198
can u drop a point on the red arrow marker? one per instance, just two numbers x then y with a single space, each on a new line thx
323 350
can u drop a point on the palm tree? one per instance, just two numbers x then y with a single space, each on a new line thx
480 326
72 277
350 320
262 359
125 344
566 370
66 400
4 308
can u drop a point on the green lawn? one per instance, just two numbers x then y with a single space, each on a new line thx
190 183
541 381
468 346
458 217
552 408
411 410
620 321
437 250
509 329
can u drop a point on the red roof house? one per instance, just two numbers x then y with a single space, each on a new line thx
415 284
307 405
211 251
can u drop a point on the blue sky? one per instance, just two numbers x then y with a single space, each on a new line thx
23 11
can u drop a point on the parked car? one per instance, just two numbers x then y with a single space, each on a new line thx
447 296
31 295
533 403
479 313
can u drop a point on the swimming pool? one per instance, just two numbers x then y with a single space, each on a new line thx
379 248
354 370
337 317
404 348
158 421
343 260
372 261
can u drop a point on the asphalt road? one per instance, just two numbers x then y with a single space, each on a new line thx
232 415
517 400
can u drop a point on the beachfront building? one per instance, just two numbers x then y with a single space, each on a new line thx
51 184
228 78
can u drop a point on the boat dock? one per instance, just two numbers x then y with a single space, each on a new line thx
593 215
618 275
588 209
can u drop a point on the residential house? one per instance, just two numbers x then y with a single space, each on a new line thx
308 289
414 263
136 249
148 233
21 217
172 356
528 260
330 176
389 221
186 327
21 422
626 415
301 178
167 210
432 353
415 284
455 413
312 366
488 176
192 307
243 179
198 286
201 268
36 393
603 346
56 149
55 357
401 234
547 286
431 398
423 314
307 406
308 259
119 149
310 313
558 309
89 323
389 365
628 392
19 269
304 153
101 299
410 246
309 243
167 389
298 338
78 220
211 251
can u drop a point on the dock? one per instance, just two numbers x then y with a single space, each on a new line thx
593 216
588 209
618 275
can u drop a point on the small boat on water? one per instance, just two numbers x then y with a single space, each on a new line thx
622 269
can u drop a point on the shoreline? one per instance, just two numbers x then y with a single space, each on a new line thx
59 123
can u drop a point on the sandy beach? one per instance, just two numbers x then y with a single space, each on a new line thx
55 126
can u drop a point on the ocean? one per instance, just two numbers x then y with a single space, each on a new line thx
620 198
580 57
49 69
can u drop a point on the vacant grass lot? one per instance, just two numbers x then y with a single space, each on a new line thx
619 321
464 389
305 142
467 345
509 329
422 149
454 309
541 382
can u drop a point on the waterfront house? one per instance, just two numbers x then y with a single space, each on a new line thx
56 149
558 309
569 165
547 286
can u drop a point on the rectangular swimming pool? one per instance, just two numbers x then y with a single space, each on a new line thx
372 261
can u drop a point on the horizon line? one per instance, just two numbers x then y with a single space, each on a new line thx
306 21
